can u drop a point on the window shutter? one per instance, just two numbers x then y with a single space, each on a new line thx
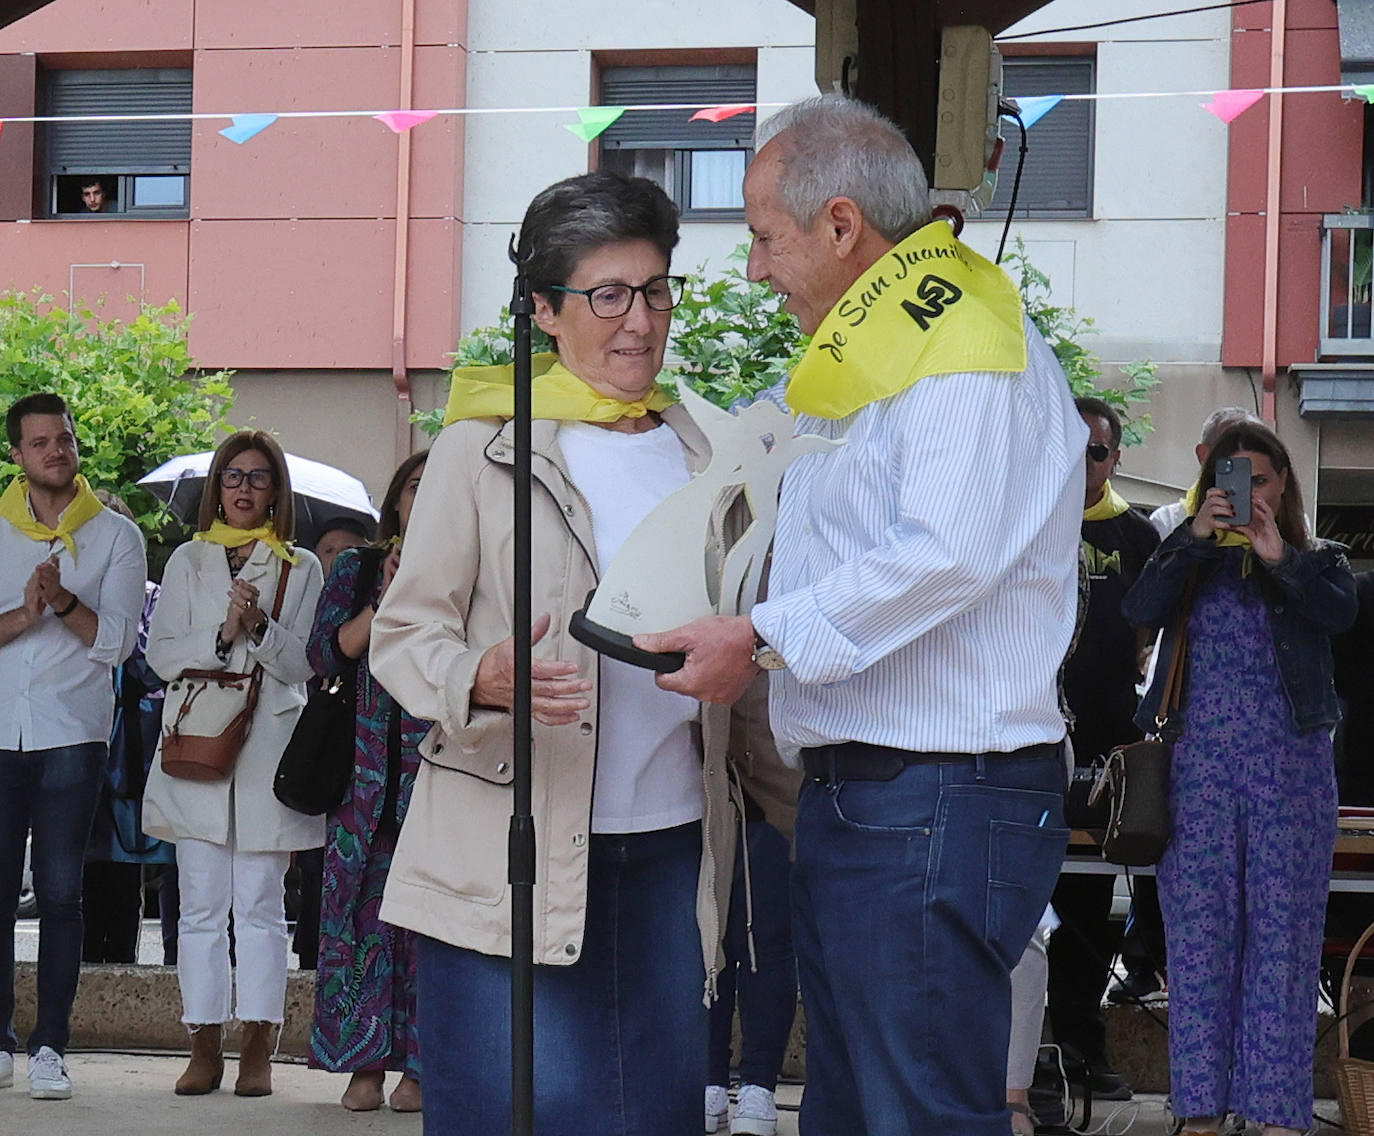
119 147
723 85
1058 175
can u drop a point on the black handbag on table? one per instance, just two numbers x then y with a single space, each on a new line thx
1135 778
316 768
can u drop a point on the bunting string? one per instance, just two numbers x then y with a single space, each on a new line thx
1226 105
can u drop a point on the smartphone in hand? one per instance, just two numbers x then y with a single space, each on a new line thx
1233 475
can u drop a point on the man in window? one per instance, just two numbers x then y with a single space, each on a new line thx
93 196
72 579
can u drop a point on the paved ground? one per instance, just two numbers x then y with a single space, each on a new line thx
118 1094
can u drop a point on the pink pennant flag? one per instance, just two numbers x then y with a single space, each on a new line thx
402 120
1230 105
719 114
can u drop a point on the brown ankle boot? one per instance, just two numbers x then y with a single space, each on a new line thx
255 1061
206 1069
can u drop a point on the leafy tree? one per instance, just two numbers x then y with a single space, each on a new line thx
133 388
732 336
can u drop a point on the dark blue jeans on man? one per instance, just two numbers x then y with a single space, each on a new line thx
912 900
54 793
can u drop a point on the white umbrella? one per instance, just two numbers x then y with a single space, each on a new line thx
322 493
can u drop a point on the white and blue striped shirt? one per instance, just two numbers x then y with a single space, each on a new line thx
924 579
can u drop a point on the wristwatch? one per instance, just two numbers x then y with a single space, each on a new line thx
259 629
765 657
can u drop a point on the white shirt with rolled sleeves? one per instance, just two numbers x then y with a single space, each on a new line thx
54 690
924 579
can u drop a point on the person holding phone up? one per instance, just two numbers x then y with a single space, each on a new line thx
1252 789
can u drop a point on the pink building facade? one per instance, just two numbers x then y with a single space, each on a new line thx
288 249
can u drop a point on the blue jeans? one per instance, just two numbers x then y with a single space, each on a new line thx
912 900
619 1036
768 994
54 792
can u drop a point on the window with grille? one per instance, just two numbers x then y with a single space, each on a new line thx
1058 177
700 165
142 169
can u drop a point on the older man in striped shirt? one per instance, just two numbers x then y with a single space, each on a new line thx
922 598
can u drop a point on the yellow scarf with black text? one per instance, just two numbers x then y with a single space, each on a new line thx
929 306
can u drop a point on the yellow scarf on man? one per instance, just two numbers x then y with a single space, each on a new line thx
930 306
14 507
1111 504
230 537
489 392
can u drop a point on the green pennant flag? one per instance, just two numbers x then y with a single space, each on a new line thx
594 121
1365 91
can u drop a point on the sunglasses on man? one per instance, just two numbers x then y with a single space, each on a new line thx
1099 451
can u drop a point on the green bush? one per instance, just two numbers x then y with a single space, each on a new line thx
1063 329
731 338
133 388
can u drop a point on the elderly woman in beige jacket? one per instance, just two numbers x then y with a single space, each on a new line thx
629 783
234 839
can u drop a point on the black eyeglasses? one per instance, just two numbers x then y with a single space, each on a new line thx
232 478
1099 451
611 301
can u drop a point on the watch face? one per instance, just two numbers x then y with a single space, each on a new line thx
769 659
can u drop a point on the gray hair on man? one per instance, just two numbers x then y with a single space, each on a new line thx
836 146
1222 419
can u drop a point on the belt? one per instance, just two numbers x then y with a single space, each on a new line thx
860 761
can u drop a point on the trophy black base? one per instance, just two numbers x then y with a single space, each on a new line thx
617 645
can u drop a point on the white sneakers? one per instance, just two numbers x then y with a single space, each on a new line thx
6 1069
717 1107
48 1078
756 1114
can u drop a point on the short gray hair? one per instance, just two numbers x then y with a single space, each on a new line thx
839 147
578 215
1223 418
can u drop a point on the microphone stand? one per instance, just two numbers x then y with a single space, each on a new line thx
520 843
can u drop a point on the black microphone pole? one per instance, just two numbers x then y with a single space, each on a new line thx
521 840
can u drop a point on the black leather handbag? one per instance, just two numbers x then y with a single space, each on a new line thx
1135 779
316 768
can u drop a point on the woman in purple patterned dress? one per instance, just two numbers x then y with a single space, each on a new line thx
365 983
1243 883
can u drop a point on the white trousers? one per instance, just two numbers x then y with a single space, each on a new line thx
1029 980
213 878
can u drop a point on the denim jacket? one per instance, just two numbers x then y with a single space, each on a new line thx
1310 596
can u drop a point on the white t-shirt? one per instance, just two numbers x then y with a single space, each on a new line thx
648 769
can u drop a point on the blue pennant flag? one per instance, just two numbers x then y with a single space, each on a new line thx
246 126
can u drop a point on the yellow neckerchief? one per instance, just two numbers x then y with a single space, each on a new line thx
489 392
15 508
230 537
1110 504
930 306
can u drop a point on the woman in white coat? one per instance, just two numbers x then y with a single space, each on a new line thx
234 839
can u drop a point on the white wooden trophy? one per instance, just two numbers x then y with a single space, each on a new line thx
662 576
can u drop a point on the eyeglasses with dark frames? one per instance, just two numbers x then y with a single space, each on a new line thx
232 478
611 301
1099 451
